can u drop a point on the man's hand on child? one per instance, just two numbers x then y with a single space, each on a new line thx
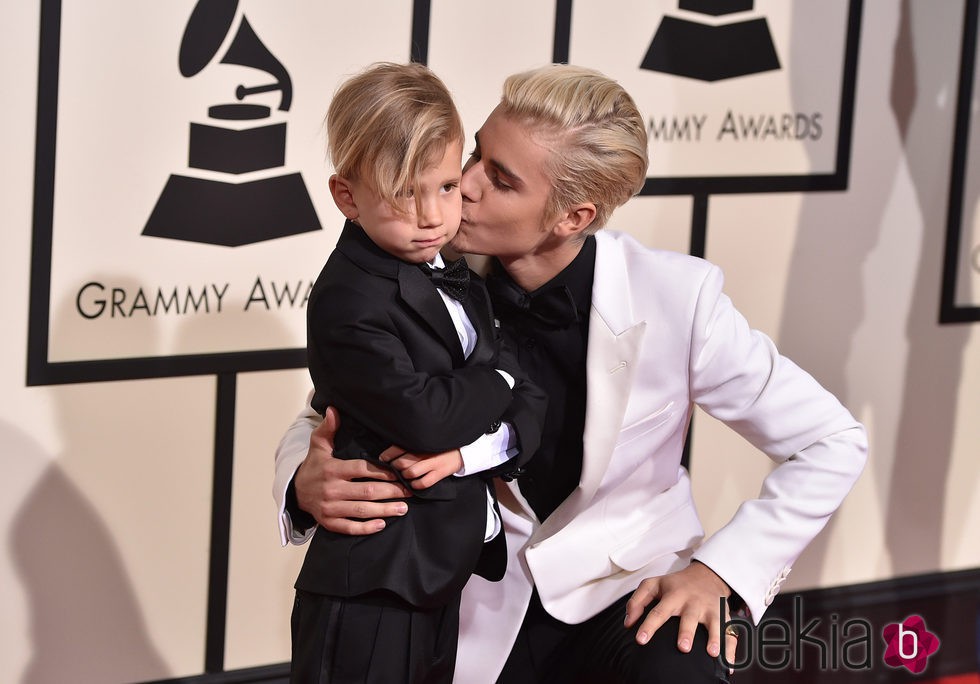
346 497
424 470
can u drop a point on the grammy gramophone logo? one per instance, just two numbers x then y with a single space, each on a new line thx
237 139
712 51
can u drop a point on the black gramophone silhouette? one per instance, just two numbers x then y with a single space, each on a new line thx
712 52
225 212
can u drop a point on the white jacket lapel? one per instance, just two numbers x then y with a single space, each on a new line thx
614 343
609 373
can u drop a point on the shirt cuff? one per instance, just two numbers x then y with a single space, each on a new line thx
489 451
296 526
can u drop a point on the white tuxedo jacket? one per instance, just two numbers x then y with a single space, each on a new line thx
662 339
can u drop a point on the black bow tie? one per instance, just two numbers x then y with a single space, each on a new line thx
554 307
454 279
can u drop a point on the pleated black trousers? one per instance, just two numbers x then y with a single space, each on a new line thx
376 639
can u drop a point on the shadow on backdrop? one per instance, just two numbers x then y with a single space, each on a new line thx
86 622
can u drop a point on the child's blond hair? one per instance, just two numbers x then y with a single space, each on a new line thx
389 123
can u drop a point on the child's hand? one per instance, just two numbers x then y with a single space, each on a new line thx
424 470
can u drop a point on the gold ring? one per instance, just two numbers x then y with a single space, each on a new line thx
731 631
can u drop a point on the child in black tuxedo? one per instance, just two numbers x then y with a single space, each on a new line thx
404 345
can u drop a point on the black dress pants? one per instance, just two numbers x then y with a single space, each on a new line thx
601 651
376 639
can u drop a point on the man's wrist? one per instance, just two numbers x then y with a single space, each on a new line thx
726 591
736 604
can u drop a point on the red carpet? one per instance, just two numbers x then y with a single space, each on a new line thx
958 679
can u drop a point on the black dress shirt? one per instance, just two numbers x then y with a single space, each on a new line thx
552 353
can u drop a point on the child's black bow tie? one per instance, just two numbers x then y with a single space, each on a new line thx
454 279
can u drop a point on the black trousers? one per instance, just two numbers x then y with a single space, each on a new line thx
376 639
601 651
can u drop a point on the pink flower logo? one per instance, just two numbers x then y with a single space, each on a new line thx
909 644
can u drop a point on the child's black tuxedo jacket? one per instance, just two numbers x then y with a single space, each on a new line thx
383 350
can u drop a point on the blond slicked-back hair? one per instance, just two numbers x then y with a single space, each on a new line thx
597 135
388 123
